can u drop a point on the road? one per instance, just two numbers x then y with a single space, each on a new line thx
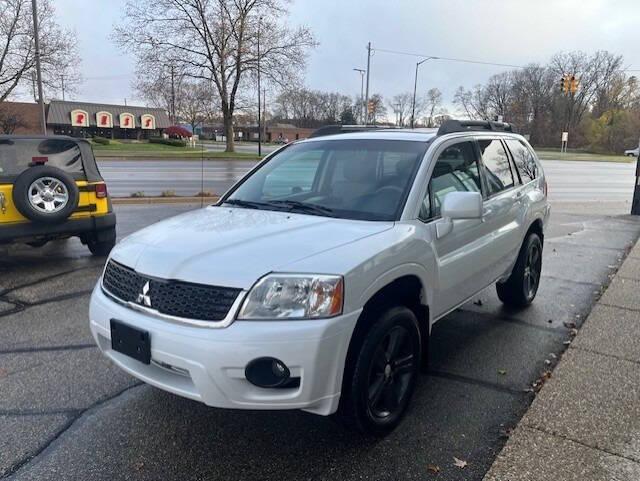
66 413
569 181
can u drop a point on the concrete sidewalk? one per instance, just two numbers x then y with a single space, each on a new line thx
584 425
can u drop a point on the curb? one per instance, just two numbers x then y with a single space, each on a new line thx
540 447
163 200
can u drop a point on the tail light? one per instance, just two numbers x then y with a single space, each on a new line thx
101 191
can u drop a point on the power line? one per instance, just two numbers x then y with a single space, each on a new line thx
463 60
450 59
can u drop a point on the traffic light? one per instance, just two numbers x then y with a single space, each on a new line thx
370 107
573 84
564 84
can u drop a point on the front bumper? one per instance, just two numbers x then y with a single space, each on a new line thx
208 365
27 230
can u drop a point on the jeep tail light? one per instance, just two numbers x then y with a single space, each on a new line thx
101 191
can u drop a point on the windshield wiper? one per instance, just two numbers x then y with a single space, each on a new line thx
248 204
304 207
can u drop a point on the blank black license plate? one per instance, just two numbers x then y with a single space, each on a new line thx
130 341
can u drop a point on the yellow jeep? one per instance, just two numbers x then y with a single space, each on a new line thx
51 188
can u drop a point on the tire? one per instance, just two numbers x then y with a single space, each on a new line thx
101 248
376 392
522 286
45 194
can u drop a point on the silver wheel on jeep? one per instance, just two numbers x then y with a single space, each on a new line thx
48 195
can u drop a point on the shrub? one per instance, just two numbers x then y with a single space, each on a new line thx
171 142
100 140
168 193
205 193
138 194
177 131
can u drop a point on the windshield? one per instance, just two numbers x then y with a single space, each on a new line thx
351 179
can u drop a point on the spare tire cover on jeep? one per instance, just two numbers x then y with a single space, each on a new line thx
45 194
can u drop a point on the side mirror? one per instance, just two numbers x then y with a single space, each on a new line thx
458 206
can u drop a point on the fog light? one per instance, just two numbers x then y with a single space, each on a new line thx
267 372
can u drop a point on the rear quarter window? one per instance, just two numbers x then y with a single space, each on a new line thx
524 160
17 155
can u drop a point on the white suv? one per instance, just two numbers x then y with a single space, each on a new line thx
314 283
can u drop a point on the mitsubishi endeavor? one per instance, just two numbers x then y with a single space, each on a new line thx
315 281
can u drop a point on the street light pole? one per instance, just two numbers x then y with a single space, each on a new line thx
259 104
43 120
366 106
415 88
362 71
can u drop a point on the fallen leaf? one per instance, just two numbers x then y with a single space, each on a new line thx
553 355
506 433
459 463
569 325
502 372
566 343
478 302
138 465
547 362
433 468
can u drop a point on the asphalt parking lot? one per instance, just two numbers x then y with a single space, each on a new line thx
67 414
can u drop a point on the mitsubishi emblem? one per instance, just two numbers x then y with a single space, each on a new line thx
144 297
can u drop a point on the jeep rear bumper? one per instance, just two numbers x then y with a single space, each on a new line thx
102 226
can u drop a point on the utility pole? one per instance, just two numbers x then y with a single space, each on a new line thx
362 108
415 88
43 120
366 119
173 94
62 81
259 104
264 113
635 205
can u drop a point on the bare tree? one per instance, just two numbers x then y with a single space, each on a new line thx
10 119
17 56
473 103
197 103
217 41
311 108
401 105
432 103
377 109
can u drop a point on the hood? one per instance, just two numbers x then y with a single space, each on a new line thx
234 247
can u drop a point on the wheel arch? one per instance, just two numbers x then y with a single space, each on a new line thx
407 290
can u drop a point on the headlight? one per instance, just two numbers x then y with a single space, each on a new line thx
294 296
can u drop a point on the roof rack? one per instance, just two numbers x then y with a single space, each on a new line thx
344 129
451 126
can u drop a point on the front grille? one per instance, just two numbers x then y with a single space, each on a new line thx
170 297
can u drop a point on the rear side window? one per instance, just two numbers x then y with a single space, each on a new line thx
16 155
497 167
524 160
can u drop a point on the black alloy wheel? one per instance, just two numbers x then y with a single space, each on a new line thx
520 289
382 370
390 373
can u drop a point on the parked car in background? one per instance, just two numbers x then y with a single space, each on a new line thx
314 283
632 152
51 188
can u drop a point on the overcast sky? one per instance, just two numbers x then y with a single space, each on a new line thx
512 32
